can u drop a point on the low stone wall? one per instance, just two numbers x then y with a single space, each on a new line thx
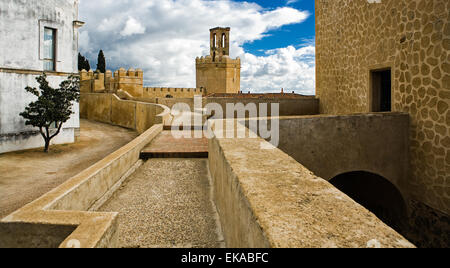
60 218
330 145
109 108
169 102
267 199
288 106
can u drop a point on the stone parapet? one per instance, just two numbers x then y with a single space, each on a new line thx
267 199
164 92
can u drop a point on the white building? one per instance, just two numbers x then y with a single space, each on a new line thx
35 36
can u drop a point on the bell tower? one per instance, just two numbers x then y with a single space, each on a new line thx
220 42
217 72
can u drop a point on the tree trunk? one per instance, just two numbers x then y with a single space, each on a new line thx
47 139
47 144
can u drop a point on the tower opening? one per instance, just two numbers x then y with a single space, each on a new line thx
223 41
376 194
381 90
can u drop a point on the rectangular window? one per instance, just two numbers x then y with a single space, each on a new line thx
381 90
49 49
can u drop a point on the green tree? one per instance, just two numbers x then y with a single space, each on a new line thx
83 63
87 65
101 63
80 62
53 106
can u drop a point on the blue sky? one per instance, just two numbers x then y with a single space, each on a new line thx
294 34
274 39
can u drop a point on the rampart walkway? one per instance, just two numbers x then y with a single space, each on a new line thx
167 201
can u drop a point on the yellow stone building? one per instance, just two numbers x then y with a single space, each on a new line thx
390 55
218 73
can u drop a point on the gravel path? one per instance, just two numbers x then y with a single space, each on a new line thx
167 203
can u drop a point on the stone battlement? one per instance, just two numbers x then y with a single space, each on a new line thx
92 82
162 92
131 81
219 60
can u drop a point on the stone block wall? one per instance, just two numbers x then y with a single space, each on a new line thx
219 75
413 39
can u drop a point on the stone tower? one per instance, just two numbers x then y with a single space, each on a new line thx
218 73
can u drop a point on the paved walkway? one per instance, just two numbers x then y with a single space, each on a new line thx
167 203
167 145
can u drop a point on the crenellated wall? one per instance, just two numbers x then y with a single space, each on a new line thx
91 82
131 81
160 92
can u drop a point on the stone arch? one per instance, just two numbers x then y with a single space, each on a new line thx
375 193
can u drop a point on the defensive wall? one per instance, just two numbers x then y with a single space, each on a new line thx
163 92
409 42
366 156
265 198
109 108
377 143
355 40
131 81
289 104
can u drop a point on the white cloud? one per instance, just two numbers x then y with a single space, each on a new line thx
288 2
163 37
288 68
132 27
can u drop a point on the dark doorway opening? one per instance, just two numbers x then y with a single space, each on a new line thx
381 90
376 194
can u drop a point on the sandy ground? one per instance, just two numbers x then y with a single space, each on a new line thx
27 175
167 203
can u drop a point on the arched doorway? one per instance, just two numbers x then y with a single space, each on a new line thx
376 194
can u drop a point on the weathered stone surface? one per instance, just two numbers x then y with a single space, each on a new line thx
414 26
267 199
